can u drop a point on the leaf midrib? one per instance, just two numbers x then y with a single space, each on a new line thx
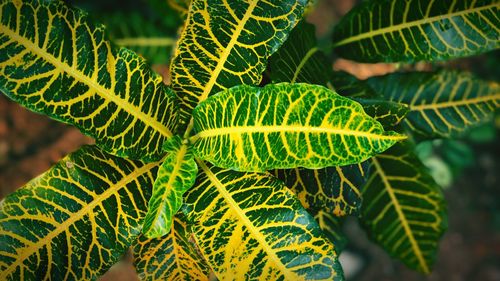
146 41
79 76
233 205
456 103
29 251
401 215
215 132
397 27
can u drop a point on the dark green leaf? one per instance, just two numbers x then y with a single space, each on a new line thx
332 228
335 190
404 208
414 30
443 103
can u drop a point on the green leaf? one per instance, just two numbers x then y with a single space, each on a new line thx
388 113
250 226
332 228
225 44
53 60
348 85
285 126
172 257
415 30
443 103
299 59
75 220
404 208
153 40
177 174
335 190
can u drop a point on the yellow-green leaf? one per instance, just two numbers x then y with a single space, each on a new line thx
443 103
75 220
388 113
227 43
283 126
177 174
414 30
336 190
249 226
173 257
53 60
404 208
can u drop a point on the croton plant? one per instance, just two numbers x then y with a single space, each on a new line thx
245 164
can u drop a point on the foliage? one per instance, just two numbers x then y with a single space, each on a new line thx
227 170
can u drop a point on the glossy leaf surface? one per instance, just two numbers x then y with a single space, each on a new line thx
172 257
388 113
409 31
284 126
442 104
53 60
336 190
227 43
250 226
404 208
176 174
75 220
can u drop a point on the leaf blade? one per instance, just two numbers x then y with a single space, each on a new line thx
265 137
414 30
238 220
441 104
58 63
175 176
171 257
42 220
208 61
400 188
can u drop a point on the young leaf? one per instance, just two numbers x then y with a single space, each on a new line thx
442 104
250 226
75 220
299 59
409 31
335 190
53 60
177 174
331 226
172 257
227 43
285 126
404 208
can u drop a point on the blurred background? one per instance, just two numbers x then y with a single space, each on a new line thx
468 169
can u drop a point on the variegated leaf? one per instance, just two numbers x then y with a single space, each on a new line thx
250 226
404 208
53 60
172 257
331 226
335 190
414 30
284 126
443 103
177 174
227 43
76 220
